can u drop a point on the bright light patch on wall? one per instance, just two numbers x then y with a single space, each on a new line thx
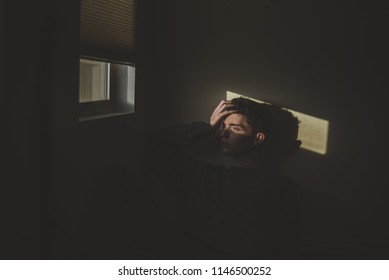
313 131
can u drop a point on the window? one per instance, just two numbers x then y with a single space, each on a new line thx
107 59
94 80
105 89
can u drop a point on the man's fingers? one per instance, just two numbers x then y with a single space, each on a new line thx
226 113
220 104
222 110
226 107
223 102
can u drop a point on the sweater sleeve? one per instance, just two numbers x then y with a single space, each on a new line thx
177 139
186 135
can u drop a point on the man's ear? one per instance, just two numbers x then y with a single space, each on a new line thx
259 138
297 145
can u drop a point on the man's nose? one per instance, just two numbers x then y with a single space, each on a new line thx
225 133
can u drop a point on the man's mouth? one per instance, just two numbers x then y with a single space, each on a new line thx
225 145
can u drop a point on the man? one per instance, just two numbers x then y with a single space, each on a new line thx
214 212
245 127
244 210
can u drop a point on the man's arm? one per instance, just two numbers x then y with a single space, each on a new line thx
182 136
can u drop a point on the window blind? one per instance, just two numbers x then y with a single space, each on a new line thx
107 29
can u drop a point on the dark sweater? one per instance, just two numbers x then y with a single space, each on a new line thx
203 211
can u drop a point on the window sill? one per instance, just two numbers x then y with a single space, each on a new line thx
101 116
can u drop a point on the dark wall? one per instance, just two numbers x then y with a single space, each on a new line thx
26 150
320 58
48 190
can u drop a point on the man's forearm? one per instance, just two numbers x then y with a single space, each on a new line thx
186 135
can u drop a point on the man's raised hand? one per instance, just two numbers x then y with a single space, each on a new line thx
221 111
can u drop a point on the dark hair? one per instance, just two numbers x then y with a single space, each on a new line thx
258 114
283 140
285 130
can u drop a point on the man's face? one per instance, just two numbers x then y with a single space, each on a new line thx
238 137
